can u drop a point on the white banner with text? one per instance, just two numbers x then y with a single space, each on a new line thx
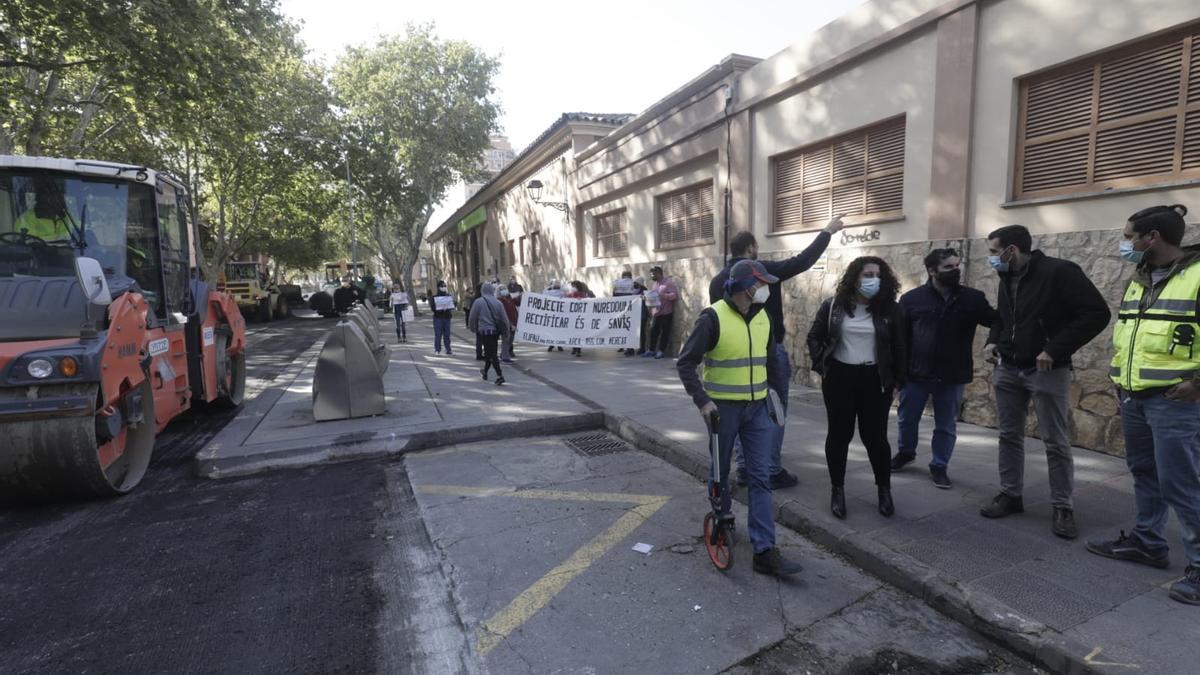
580 322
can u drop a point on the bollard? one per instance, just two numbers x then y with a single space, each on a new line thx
349 377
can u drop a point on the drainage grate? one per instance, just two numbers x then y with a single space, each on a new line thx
596 444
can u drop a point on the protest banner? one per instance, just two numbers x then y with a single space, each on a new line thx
580 322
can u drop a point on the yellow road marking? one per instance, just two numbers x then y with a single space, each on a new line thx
1090 660
533 599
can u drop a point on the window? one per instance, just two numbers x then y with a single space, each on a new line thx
685 217
612 234
512 254
1126 118
858 174
534 254
502 263
522 249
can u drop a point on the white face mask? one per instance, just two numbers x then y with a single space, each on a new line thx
869 287
761 294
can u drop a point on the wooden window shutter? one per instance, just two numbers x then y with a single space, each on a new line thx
685 217
1121 119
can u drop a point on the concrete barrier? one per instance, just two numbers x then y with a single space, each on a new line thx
349 378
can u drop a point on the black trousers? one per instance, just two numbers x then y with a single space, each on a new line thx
660 333
490 360
852 394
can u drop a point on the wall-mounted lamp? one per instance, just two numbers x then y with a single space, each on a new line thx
534 187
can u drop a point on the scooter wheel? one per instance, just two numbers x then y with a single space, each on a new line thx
718 543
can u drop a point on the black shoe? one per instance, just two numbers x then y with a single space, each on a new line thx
1064 523
886 506
940 479
630 352
499 380
740 477
783 480
772 562
837 502
1003 505
550 349
483 373
1186 590
1125 547
901 461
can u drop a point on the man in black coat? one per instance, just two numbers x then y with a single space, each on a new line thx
744 246
940 320
1048 310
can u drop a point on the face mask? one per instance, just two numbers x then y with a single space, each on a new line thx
761 294
869 287
997 264
1129 254
950 277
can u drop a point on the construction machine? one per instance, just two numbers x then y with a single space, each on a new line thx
255 294
107 332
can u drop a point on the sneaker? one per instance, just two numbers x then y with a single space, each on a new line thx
940 479
550 349
741 476
783 480
900 461
1002 505
1125 547
658 355
437 353
1186 590
499 380
1064 523
772 562
449 353
647 354
483 374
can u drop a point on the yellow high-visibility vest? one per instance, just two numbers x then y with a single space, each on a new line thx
736 368
45 229
1157 333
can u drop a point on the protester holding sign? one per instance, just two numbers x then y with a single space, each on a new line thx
443 309
399 306
661 300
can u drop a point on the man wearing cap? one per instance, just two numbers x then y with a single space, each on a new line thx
732 338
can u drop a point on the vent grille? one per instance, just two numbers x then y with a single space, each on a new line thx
596 444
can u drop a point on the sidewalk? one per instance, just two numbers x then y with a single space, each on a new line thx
1010 578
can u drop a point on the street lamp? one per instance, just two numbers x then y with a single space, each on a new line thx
534 187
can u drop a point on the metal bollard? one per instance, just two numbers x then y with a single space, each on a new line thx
349 377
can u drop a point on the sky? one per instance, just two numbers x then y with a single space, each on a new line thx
618 56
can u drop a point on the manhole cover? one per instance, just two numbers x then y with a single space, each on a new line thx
593 445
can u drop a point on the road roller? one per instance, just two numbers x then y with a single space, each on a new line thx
107 329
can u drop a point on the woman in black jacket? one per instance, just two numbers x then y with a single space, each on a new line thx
857 348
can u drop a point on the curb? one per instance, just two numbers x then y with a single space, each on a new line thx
981 613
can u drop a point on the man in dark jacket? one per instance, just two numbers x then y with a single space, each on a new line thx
743 246
939 319
1048 310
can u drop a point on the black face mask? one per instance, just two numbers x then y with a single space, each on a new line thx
950 278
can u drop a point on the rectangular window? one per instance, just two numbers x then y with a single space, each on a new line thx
612 234
502 261
685 217
512 253
1126 118
857 174
534 254
522 240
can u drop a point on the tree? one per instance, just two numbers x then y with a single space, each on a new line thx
419 112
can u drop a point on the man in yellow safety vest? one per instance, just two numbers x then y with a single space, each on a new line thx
732 338
1156 368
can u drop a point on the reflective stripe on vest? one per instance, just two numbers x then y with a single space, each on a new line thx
1156 342
736 368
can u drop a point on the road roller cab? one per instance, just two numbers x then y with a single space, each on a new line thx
106 332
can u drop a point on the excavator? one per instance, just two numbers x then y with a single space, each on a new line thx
107 331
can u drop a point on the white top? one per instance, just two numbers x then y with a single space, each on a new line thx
857 343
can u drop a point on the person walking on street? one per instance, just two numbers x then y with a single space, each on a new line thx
510 310
1048 310
939 327
1156 367
859 351
443 312
745 246
489 321
399 304
732 338
661 296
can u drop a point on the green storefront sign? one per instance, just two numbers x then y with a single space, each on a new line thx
473 219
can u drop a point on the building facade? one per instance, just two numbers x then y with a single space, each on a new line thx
927 123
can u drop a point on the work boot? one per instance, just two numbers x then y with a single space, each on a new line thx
1125 547
1003 505
837 502
1186 590
886 506
772 562
940 479
783 480
902 460
1064 523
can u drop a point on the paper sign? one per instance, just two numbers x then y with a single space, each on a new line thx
209 338
159 346
400 298
443 302
580 322
623 286
651 298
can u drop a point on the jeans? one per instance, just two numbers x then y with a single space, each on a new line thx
780 379
749 421
1162 449
1049 391
398 311
660 333
490 360
441 333
854 394
946 400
